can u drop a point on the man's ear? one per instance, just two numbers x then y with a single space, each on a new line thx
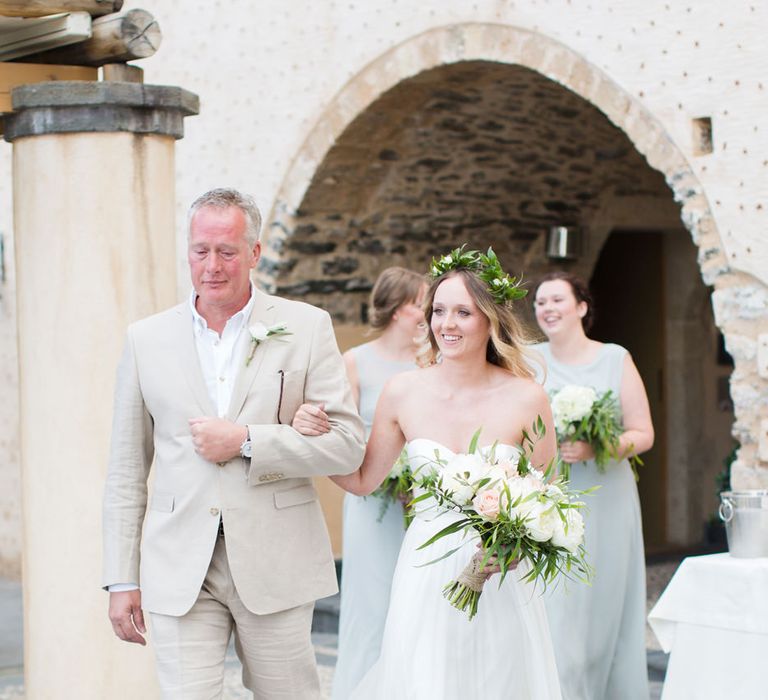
256 253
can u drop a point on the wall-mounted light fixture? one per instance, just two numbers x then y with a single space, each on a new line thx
564 242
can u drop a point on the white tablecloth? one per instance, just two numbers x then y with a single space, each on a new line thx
713 620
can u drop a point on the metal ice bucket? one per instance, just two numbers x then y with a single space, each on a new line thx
745 514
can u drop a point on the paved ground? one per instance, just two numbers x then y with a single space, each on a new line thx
11 663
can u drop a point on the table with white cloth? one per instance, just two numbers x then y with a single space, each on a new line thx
713 621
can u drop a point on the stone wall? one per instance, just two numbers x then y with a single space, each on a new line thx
479 153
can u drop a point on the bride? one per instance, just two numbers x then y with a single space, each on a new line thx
483 380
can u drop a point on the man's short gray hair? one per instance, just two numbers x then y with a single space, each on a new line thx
225 197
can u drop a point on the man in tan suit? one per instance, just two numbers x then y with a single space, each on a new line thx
232 538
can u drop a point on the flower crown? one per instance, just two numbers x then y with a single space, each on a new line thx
487 267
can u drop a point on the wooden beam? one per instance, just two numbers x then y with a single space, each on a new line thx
117 38
122 73
21 37
14 74
41 8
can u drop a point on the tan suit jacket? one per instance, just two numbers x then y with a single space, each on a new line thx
277 541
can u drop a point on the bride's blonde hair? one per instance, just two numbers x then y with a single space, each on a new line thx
508 336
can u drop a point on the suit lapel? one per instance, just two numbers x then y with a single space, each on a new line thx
189 361
264 312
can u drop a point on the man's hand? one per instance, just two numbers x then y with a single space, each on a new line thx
216 439
126 616
311 420
576 452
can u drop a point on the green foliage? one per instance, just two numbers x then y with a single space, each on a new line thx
487 267
601 428
723 478
397 488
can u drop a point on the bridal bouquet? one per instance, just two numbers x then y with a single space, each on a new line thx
517 512
397 488
581 414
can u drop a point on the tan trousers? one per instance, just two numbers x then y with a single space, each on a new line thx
275 650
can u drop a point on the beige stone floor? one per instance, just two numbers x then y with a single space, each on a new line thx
658 575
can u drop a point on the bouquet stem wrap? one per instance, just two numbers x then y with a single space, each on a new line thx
464 593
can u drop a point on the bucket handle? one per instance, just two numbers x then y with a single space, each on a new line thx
726 511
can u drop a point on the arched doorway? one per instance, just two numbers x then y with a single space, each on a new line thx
650 298
479 144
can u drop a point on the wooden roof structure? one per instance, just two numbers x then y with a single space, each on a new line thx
43 40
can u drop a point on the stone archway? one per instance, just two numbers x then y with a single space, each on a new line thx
403 74
506 45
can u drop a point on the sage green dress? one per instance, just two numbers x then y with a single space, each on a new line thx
598 631
372 534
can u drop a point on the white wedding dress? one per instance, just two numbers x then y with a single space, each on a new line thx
431 650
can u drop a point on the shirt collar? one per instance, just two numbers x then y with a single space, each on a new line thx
239 317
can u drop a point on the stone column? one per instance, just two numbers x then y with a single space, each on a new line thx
93 179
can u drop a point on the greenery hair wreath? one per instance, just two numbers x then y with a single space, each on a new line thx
486 266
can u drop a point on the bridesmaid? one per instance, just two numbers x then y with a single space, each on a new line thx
372 541
598 632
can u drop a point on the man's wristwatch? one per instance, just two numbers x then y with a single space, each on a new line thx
246 449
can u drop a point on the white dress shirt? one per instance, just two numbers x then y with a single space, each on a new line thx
219 363
218 359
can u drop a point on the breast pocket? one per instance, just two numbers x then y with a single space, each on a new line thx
291 394
162 502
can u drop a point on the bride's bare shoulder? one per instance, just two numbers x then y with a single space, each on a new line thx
524 389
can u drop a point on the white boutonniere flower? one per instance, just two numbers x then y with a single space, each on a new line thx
261 332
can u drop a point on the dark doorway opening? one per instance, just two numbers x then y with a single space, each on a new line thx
628 288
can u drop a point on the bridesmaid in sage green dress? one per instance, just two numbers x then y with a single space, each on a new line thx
598 631
372 530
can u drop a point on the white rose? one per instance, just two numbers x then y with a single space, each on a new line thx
540 520
258 331
554 493
571 533
571 404
459 475
496 474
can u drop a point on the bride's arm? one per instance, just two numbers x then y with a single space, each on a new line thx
383 448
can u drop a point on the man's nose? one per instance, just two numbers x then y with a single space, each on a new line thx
212 262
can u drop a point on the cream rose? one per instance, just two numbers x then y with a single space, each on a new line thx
487 504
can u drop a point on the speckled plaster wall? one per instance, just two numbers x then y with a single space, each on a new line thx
281 80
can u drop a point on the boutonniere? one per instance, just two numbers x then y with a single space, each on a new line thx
261 332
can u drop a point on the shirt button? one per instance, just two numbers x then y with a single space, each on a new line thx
216 342
222 379
214 511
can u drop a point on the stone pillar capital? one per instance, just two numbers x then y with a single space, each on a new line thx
60 107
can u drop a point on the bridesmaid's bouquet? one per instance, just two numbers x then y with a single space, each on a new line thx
516 510
581 414
397 488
